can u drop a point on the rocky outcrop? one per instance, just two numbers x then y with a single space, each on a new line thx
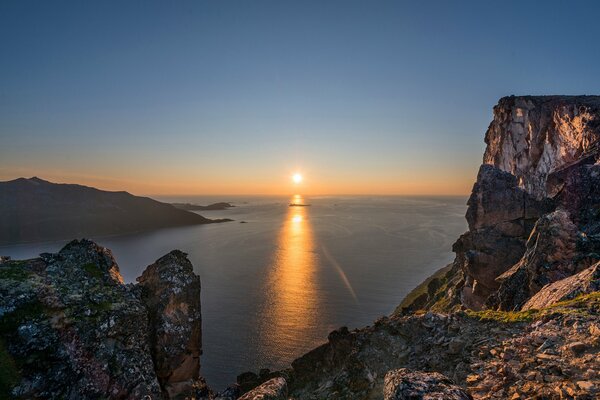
540 169
171 292
550 256
587 281
500 217
403 384
71 328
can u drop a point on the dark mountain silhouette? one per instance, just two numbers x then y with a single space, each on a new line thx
36 210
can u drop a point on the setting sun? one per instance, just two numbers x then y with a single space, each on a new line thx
297 178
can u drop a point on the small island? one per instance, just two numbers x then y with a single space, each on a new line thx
196 207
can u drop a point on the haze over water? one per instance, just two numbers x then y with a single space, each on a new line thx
274 287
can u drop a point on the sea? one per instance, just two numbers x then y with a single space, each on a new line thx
278 278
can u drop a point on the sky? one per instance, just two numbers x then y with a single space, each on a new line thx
233 97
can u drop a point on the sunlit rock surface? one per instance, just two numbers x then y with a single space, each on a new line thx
540 169
587 281
531 136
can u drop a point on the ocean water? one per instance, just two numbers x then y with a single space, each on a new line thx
275 286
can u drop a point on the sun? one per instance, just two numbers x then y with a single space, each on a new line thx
297 178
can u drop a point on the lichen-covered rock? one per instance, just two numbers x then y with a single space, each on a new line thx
403 384
171 292
587 281
71 329
274 389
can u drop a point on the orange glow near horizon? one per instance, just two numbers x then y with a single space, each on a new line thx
170 183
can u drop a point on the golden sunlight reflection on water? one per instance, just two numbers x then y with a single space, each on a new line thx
292 310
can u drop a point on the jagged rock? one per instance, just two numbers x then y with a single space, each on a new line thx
549 257
542 154
71 329
586 281
500 217
403 384
531 136
171 292
274 389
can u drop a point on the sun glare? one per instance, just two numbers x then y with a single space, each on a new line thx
297 178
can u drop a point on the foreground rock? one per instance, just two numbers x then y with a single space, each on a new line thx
71 328
171 292
487 354
403 384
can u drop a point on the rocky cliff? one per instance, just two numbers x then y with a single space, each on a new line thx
71 329
533 213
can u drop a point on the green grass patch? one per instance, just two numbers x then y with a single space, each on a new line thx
584 305
422 288
503 316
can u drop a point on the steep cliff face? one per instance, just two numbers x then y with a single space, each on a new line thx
71 329
532 136
534 211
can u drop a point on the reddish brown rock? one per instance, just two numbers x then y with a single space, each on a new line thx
171 292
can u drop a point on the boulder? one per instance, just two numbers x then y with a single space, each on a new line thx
403 384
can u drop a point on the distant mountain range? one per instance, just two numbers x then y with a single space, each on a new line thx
37 210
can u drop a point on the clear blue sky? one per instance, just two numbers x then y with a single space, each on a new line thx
234 96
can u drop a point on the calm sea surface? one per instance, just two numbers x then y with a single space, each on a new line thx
274 287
